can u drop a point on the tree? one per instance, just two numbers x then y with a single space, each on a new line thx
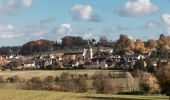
164 40
124 45
148 83
163 76
151 44
71 41
130 81
103 41
163 52
103 84
140 65
139 46
36 47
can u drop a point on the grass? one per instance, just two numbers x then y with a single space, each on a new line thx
6 94
44 73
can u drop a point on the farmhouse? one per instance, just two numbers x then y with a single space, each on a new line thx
28 63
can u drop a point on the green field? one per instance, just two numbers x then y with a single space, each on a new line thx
6 94
44 73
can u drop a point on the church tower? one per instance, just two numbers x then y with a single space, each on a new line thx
88 52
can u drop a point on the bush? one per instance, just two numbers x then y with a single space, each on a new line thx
48 82
34 84
14 79
163 76
80 85
65 76
56 87
2 79
148 83
130 82
103 84
73 85
56 79
49 79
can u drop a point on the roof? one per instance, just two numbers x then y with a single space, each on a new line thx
28 62
73 53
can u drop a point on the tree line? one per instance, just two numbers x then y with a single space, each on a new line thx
123 46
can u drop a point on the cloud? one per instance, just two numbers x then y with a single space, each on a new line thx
166 18
137 8
84 12
7 31
151 24
26 3
8 6
67 30
11 3
63 30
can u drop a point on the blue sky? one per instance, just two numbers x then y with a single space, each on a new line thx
25 20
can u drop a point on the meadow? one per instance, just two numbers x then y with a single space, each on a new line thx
6 94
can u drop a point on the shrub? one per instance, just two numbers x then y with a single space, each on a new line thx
80 85
56 87
48 82
34 84
14 79
163 76
148 83
73 83
2 79
130 81
56 79
49 79
65 76
102 84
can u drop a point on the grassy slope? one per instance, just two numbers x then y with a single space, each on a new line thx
41 73
47 95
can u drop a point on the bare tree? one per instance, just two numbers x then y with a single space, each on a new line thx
130 82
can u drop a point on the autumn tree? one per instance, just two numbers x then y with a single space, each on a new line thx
149 83
139 46
164 40
103 41
163 75
71 41
124 45
103 84
130 81
151 44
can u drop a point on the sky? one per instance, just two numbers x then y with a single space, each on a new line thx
26 20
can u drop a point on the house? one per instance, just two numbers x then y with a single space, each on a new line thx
28 63
103 65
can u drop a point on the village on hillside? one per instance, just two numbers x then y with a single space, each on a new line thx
100 59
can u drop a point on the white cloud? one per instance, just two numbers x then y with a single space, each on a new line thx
138 8
26 3
8 6
166 18
64 29
7 31
67 30
151 24
82 12
11 3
